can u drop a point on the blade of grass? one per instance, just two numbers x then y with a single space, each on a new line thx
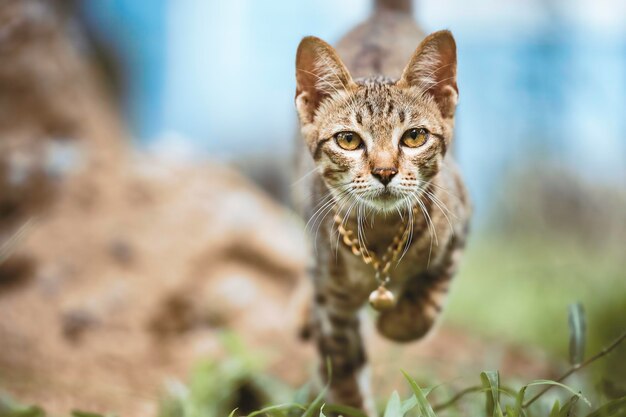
577 333
315 403
424 406
566 410
509 411
276 407
408 404
394 406
302 395
558 384
411 402
518 410
555 409
344 410
491 380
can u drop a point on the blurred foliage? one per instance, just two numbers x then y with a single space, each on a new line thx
541 197
490 397
11 408
216 389
518 286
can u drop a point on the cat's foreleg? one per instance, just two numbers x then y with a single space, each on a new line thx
340 345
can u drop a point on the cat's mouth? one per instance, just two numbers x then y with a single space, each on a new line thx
385 199
386 195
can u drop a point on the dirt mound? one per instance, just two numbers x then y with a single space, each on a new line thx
116 270
134 271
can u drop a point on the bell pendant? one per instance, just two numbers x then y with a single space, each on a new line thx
382 299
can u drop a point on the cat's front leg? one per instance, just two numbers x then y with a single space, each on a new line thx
340 344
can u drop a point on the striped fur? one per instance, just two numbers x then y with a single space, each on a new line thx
379 100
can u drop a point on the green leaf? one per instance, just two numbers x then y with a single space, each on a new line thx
549 382
566 410
613 408
322 411
577 333
277 407
315 403
394 406
344 410
555 409
302 395
491 381
424 406
509 411
408 404
232 413
519 402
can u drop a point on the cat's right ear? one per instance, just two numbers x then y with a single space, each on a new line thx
319 73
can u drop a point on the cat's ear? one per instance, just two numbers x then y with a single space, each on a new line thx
433 69
319 73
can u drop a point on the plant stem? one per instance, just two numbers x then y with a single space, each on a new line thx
579 366
457 397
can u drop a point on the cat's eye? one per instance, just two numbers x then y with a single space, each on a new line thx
414 138
349 141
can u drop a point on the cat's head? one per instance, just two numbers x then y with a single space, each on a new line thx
377 141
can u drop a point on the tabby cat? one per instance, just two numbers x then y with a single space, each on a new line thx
384 186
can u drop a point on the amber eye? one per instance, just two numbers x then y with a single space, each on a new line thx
348 140
414 138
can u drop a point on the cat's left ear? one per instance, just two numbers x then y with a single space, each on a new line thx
433 69
319 74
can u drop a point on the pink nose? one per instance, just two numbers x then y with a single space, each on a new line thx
384 175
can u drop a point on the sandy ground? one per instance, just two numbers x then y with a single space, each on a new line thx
130 275
128 279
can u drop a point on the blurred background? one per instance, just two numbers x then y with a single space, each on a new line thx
145 172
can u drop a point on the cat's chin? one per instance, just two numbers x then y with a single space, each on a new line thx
386 202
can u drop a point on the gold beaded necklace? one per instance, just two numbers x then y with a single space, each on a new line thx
381 298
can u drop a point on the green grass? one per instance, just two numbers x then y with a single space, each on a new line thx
215 388
489 397
497 401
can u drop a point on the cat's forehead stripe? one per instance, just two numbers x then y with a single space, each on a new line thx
375 80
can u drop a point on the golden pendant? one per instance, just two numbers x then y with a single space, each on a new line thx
382 299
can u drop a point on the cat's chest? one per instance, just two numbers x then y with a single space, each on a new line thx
360 278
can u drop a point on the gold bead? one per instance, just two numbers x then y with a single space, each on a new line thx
382 299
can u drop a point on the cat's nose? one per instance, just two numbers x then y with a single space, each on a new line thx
384 175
